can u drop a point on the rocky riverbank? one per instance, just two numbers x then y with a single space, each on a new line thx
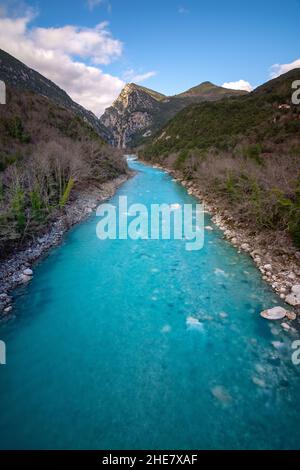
17 269
279 263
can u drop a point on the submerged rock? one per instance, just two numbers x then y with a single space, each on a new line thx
223 315
259 382
194 323
275 313
221 394
220 272
166 329
259 368
277 344
275 332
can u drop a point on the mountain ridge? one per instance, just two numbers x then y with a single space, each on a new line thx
18 75
138 112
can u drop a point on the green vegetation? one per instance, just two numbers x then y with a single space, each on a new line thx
66 194
7 160
245 151
15 129
253 151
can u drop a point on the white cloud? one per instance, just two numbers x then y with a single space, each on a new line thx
93 3
279 69
238 85
183 11
64 54
132 76
93 43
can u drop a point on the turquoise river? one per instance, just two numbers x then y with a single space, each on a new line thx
124 344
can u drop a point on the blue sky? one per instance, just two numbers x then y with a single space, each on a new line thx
177 44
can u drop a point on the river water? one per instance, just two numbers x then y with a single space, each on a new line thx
124 344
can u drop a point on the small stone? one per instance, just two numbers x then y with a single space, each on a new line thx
291 276
268 267
245 247
28 272
285 326
209 228
291 315
7 310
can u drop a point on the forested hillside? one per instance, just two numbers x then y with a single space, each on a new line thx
46 153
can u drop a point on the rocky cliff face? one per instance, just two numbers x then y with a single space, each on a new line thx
131 113
138 112
16 74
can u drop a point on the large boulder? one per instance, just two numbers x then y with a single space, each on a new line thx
296 289
275 313
293 299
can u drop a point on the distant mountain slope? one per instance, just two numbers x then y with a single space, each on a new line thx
209 91
139 112
243 152
257 116
15 73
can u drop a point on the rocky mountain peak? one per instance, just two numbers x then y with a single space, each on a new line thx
138 111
